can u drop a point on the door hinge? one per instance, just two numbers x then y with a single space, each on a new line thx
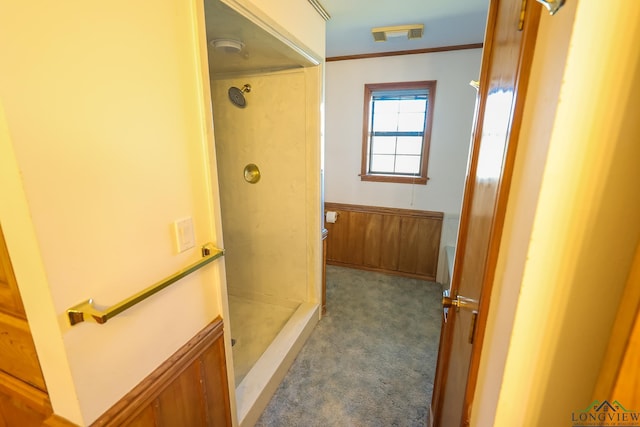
523 9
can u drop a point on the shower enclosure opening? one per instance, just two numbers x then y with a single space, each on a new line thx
268 167
262 175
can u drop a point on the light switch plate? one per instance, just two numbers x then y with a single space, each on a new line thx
184 236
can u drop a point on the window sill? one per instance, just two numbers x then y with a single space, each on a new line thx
395 178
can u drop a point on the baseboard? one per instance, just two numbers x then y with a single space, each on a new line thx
431 278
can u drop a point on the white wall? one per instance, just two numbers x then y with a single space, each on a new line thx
450 138
106 144
451 134
107 140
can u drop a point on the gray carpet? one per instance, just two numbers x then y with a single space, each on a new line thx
370 361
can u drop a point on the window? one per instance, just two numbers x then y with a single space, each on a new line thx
396 131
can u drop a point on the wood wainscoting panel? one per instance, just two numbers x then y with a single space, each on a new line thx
410 247
188 389
390 242
214 368
372 239
427 264
182 402
355 242
397 241
337 244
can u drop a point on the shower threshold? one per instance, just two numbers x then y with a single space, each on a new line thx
254 325
258 386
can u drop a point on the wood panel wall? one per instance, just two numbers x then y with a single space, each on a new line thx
188 389
398 241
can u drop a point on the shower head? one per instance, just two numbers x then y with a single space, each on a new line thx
236 96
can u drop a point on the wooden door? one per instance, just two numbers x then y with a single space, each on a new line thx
507 55
23 395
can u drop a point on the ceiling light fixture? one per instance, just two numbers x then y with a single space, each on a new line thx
382 34
228 45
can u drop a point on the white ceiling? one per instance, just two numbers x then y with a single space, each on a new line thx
446 23
262 51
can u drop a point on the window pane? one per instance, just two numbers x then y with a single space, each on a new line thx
384 145
411 122
382 163
386 106
410 145
385 122
413 106
408 164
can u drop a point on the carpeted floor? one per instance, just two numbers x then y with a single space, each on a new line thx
370 361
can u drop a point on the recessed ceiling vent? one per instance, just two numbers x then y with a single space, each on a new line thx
382 34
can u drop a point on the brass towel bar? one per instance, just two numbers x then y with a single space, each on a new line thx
86 310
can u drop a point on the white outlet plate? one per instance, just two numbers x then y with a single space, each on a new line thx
184 236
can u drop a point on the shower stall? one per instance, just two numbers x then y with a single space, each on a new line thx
266 103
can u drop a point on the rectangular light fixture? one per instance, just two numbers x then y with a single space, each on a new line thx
382 34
